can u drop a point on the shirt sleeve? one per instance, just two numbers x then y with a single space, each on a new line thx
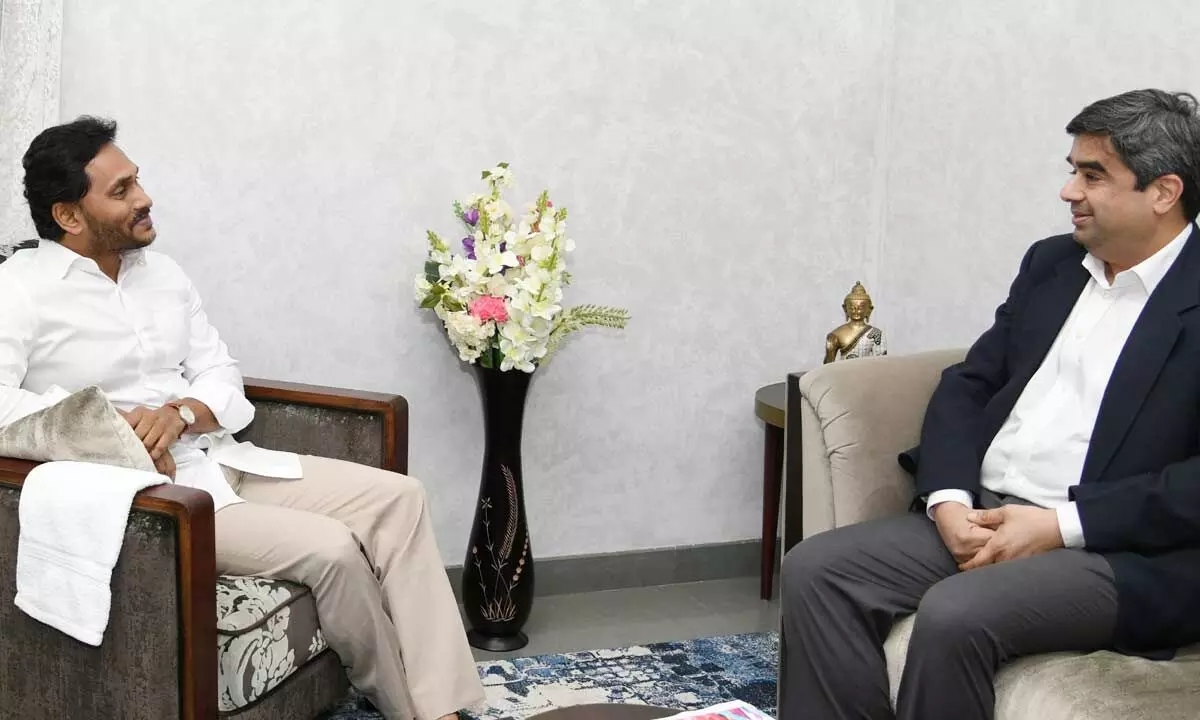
18 326
937 497
1069 525
212 374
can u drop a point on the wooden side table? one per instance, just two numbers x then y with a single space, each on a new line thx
770 405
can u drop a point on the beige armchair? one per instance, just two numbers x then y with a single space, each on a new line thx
853 419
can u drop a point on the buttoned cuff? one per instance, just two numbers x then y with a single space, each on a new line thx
228 404
938 497
1069 525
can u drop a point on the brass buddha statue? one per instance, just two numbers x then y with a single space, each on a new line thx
856 338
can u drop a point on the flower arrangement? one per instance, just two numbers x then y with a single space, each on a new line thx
500 296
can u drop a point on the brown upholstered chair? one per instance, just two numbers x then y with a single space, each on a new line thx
181 642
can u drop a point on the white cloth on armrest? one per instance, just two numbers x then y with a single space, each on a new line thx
73 518
246 457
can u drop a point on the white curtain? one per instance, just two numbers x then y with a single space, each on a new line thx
30 55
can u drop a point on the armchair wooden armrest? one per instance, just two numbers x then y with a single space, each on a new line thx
194 651
391 410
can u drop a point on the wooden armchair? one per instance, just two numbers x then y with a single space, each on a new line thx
162 649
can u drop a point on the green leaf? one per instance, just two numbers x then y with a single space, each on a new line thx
430 301
486 359
451 304
432 274
503 165
435 241
486 174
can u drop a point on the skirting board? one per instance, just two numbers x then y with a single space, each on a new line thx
638 568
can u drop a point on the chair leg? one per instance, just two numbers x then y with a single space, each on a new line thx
772 485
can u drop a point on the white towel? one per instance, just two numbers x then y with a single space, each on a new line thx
73 517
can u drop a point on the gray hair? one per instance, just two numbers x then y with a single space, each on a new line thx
1154 132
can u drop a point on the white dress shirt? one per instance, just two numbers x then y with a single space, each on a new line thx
1040 450
143 340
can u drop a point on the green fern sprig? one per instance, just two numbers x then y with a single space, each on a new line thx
579 317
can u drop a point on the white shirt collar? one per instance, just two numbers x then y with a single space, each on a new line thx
1149 271
59 259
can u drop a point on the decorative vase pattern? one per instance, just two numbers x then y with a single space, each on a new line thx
497 587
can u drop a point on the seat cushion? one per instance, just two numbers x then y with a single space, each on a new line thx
1077 686
266 630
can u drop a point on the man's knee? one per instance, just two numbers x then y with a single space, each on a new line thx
951 615
402 491
336 549
809 563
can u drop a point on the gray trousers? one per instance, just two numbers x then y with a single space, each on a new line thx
844 589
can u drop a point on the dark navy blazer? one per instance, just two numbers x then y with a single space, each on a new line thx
1139 493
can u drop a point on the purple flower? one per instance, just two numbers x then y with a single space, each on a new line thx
471 217
469 246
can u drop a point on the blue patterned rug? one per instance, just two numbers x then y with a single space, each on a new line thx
686 675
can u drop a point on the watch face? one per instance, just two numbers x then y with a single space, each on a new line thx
186 413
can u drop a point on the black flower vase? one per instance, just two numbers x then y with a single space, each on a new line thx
497 579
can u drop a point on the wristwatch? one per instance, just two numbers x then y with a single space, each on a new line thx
185 413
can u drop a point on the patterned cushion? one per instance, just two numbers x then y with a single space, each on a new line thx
266 630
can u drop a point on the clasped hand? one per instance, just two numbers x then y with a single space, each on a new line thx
158 429
982 537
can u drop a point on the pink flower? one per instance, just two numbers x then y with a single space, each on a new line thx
489 307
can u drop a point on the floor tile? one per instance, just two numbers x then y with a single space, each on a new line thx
637 616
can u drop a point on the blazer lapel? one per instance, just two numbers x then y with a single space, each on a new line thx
1142 359
1054 300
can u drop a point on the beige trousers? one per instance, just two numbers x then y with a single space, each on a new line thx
361 538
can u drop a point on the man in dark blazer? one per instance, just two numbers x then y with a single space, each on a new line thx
1058 477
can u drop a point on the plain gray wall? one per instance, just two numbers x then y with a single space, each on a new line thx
731 170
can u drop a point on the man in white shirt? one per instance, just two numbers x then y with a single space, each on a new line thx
1058 477
92 305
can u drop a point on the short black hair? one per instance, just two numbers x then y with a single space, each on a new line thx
1154 132
54 167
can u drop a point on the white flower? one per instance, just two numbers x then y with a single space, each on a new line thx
468 335
422 288
501 176
497 261
545 308
530 284
542 253
497 210
498 285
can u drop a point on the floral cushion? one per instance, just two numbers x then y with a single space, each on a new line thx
266 630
